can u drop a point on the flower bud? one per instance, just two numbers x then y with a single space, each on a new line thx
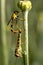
24 5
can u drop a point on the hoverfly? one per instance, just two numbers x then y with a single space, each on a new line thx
14 18
18 50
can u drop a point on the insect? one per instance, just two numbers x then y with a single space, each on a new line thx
14 18
18 50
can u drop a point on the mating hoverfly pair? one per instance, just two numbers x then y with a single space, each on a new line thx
14 19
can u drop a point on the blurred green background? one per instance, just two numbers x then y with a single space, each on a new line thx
35 26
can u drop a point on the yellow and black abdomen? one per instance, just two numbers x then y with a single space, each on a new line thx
18 50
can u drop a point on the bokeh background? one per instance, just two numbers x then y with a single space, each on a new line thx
8 40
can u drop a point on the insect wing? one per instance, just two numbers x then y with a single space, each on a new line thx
9 22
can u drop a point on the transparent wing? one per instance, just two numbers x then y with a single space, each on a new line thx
9 22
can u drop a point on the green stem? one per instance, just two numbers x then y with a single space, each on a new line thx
26 37
3 33
25 6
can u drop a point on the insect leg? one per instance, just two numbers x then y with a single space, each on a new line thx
21 19
19 13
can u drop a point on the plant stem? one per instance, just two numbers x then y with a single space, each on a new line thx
25 6
3 33
26 37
